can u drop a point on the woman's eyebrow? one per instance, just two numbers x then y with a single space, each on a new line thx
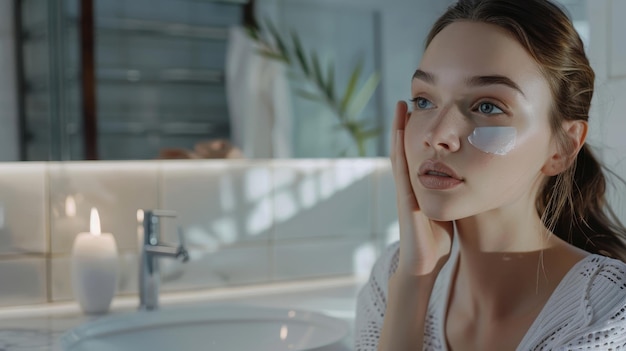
481 81
473 81
425 76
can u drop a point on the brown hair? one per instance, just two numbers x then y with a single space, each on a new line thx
571 204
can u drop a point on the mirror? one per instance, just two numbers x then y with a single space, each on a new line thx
149 79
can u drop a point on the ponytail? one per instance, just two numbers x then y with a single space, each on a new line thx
573 206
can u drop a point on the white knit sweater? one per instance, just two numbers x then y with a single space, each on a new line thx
587 311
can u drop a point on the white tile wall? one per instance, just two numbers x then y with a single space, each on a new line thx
220 203
300 259
225 267
613 151
314 199
618 44
23 202
245 222
22 281
608 59
116 189
386 211
205 269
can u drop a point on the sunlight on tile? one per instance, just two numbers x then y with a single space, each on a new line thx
226 229
199 237
393 233
363 259
284 177
306 192
258 183
345 175
260 218
284 205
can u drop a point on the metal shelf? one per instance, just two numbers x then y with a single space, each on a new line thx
140 129
172 75
39 31
162 28
138 76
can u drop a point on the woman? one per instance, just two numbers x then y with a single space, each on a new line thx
505 242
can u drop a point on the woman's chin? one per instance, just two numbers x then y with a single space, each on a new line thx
440 214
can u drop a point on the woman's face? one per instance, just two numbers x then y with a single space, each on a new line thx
475 75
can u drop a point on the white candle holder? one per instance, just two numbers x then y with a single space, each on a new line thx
94 270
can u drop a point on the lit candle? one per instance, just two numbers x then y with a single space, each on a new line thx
94 268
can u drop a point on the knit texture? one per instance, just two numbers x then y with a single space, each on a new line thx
587 311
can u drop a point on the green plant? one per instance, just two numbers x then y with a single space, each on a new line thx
346 106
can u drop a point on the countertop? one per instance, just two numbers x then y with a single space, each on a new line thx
38 328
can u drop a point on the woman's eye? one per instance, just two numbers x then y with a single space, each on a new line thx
489 108
421 103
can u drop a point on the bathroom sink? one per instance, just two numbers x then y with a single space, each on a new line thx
213 327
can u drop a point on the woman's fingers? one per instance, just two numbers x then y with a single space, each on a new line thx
424 241
399 121
401 173
402 178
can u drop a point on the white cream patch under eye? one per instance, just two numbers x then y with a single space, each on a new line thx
494 140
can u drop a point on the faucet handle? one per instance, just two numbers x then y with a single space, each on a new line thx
181 237
182 250
164 213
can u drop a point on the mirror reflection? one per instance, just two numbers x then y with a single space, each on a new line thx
172 79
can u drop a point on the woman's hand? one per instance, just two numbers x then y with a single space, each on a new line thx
424 243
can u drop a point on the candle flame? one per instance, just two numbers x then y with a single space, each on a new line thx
70 206
284 332
94 223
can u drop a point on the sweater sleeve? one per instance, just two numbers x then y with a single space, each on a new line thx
372 301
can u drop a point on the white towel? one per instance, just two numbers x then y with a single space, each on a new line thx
259 100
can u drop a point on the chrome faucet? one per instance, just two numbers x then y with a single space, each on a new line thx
151 250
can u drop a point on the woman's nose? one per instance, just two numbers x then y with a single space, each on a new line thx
444 132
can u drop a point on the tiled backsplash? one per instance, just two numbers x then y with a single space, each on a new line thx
245 222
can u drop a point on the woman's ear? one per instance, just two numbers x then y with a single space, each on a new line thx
576 133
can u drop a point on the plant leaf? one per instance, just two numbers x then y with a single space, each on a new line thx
279 40
253 33
309 95
364 95
300 53
372 133
354 78
317 72
296 76
330 81
272 55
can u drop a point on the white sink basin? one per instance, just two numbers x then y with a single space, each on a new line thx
221 328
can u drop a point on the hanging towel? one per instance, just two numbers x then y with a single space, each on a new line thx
259 100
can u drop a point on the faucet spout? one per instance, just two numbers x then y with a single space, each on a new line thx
151 251
177 252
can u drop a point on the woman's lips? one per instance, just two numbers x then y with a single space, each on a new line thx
438 182
438 176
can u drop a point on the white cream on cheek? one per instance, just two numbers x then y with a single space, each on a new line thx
493 140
